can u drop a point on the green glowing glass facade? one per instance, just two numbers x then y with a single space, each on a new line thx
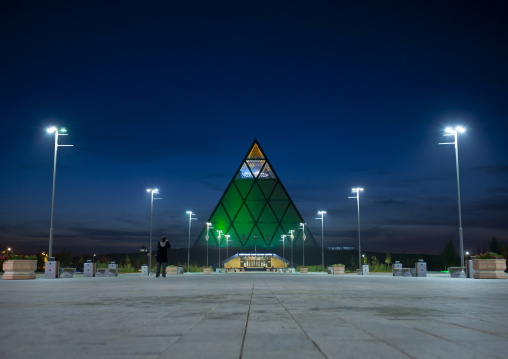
255 210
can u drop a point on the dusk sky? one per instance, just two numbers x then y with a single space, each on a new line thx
172 94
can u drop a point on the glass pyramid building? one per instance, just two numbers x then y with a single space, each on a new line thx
255 210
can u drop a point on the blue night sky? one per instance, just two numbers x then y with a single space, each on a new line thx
171 94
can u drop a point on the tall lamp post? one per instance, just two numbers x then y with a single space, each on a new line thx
227 244
454 132
152 191
291 236
208 226
283 236
219 231
357 190
303 242
188 250
322 213
57 132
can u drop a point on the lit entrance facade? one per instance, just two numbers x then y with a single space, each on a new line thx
255 262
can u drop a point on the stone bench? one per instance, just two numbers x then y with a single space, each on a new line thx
402 272
67 272
101 272
112 272
455 272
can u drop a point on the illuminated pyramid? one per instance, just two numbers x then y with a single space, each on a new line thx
255 209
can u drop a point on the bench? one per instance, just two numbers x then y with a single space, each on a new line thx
457 272
67 272
112 272
101 272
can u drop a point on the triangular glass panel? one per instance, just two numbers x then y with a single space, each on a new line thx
266 173
279 207
279 193
232 201
244 172
267 186
244 186
255 153
256 194
255 166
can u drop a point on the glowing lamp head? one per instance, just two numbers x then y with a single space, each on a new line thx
51 129
460 129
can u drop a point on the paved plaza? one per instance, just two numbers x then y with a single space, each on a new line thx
254 315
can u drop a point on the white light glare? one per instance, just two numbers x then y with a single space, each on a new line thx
51 129
457 129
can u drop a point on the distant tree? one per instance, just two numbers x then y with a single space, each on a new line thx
65 258
504 251
449 256
352 262
127 261
388 259
373 261
494 245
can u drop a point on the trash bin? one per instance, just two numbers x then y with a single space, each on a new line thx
144 270
51 270
217 270
89 269
180 269
421 268
470 270
365 269
113 269
397 269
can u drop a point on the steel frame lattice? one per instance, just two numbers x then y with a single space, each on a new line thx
255 208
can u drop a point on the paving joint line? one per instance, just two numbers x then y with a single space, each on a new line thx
247 319
296 321
192 327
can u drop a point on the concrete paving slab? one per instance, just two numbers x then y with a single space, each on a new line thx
254 315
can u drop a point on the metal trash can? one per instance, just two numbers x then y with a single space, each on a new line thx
365 269
89 269
51 270
421 268
397 269
180 269
144 270
113 269
470 270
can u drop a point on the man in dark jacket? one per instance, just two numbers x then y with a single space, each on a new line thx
162 255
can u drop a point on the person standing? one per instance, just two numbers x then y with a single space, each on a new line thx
162 256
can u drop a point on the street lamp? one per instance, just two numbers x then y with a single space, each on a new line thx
57 132
219 231
454 132
283 236
291 243
208 226
227 245
188 250
303 243
357 190
152 191
322 213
